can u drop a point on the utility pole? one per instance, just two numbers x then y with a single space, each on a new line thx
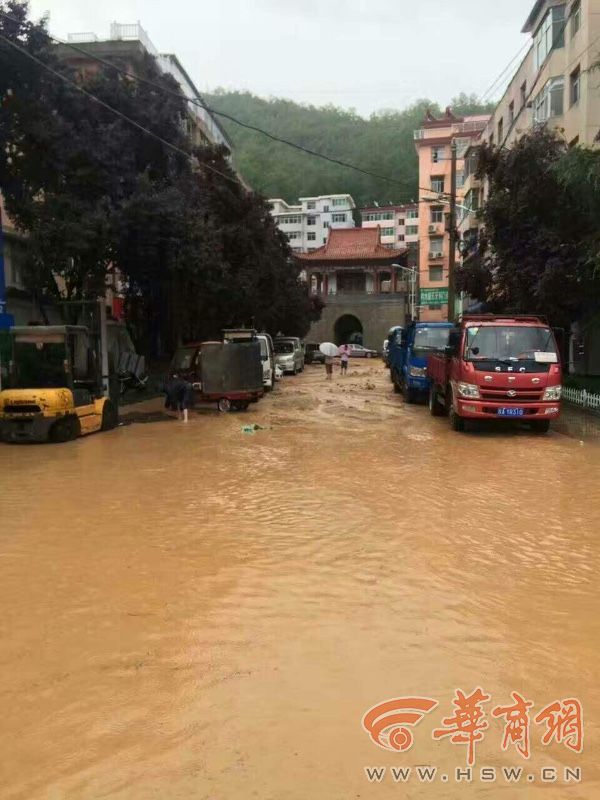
6 320
452 232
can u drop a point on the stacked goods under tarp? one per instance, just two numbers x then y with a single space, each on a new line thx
228 367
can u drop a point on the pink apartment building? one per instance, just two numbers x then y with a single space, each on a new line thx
433 142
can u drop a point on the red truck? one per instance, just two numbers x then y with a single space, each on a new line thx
497 367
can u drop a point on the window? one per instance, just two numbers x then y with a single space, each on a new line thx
338 218
387 231
575 18
437 154
437 185
325 224
549 102
400 237
311 205
379 215
460 178
294 235
436 246
325 209
437 214
401 222
575 85
324 240
511 113
524 95
412 213
550 34
311 220
311 236
412 230
339 201
296 219
500 130
436 273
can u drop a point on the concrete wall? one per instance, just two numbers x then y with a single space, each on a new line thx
375 316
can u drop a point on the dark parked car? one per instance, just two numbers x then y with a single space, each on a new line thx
313 355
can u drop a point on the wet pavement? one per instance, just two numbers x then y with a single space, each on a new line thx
190 611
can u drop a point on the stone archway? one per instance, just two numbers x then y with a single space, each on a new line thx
348 330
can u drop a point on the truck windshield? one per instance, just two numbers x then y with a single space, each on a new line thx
39 365
264 352
284 347
428 339
183 359
509 343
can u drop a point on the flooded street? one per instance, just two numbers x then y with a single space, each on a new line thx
195 612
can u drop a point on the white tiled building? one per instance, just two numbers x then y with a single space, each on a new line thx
307 224
399 225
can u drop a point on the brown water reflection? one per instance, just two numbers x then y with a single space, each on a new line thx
191 612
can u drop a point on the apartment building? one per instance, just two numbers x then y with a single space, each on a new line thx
399 226
433 142
554 85
129 46
307 224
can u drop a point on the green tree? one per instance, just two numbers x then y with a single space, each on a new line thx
542 251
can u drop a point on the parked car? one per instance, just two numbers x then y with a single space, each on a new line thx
267 354
312 354
289 354
358 351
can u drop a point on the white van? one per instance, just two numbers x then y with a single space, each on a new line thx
267 355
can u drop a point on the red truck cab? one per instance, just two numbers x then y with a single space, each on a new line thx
497 367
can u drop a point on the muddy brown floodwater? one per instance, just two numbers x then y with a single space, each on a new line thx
195 612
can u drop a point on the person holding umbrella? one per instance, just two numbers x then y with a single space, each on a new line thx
330 351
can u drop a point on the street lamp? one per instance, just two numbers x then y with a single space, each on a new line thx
413 288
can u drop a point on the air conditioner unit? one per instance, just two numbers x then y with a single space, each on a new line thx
433 229
433 256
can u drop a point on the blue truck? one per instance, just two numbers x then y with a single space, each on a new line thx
409 350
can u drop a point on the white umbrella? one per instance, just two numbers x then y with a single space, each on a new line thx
329 349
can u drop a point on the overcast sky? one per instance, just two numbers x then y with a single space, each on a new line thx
366 54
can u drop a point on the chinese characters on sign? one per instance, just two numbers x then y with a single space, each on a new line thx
431 297
389 723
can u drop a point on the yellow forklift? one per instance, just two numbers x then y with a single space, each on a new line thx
54 389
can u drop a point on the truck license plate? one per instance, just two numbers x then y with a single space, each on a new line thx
510 412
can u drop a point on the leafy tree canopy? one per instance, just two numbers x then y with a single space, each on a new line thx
541 248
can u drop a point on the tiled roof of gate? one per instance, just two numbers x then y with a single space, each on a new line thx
352 244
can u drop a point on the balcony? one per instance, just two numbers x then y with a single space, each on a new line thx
456 128
129 33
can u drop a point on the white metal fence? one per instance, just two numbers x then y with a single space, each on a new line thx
581 397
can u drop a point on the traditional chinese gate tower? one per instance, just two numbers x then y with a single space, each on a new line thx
364 292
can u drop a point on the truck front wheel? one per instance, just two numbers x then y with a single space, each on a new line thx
436 409
541 426
456 423
410 395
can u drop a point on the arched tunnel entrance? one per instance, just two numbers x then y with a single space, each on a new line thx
348 330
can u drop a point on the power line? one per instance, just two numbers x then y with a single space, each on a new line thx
504 71
110 108
194 101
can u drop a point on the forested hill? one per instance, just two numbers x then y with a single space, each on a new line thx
382 144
